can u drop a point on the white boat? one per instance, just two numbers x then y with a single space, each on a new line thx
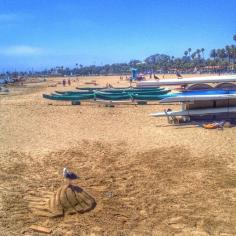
198 98
186 81
195 112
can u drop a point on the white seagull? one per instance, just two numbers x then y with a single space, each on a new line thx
68 175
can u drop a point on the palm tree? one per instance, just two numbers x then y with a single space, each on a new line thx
198 51
189 50
186 53
233 54
202 50
213 54
193 55
233 47
234 37
221 54
228 51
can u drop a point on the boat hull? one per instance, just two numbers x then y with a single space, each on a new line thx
209 95
196 112
110 97
186 81
68 98
150 97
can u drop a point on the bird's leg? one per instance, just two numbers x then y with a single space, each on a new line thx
69 182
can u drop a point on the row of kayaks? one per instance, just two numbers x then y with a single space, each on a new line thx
95 96
128 90
110 94
143 94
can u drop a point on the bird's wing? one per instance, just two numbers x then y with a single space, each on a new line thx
71 175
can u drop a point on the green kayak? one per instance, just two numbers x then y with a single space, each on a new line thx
150 92
74 92
149 97
111 97
131 90
160 92
69 98
90 88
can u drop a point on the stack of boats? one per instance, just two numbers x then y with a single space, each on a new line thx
202 101
205 103
111 94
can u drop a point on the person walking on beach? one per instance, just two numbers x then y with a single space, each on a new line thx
130 81
64 82
69 82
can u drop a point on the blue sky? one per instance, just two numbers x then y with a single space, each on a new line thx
44 33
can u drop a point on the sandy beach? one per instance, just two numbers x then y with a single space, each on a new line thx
148 177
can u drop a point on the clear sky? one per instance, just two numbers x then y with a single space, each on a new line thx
43 33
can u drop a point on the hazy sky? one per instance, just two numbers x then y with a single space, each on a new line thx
43 33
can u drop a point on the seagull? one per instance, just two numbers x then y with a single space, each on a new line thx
156 77
68 175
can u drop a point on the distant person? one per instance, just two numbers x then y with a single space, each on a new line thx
69 82
64 82
130 81
178 75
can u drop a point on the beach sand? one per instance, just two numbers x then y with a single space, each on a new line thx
148 177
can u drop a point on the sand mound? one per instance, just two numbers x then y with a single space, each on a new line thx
66 200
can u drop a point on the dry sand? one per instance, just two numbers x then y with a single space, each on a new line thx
148 178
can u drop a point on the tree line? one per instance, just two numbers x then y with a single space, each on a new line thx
222 59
